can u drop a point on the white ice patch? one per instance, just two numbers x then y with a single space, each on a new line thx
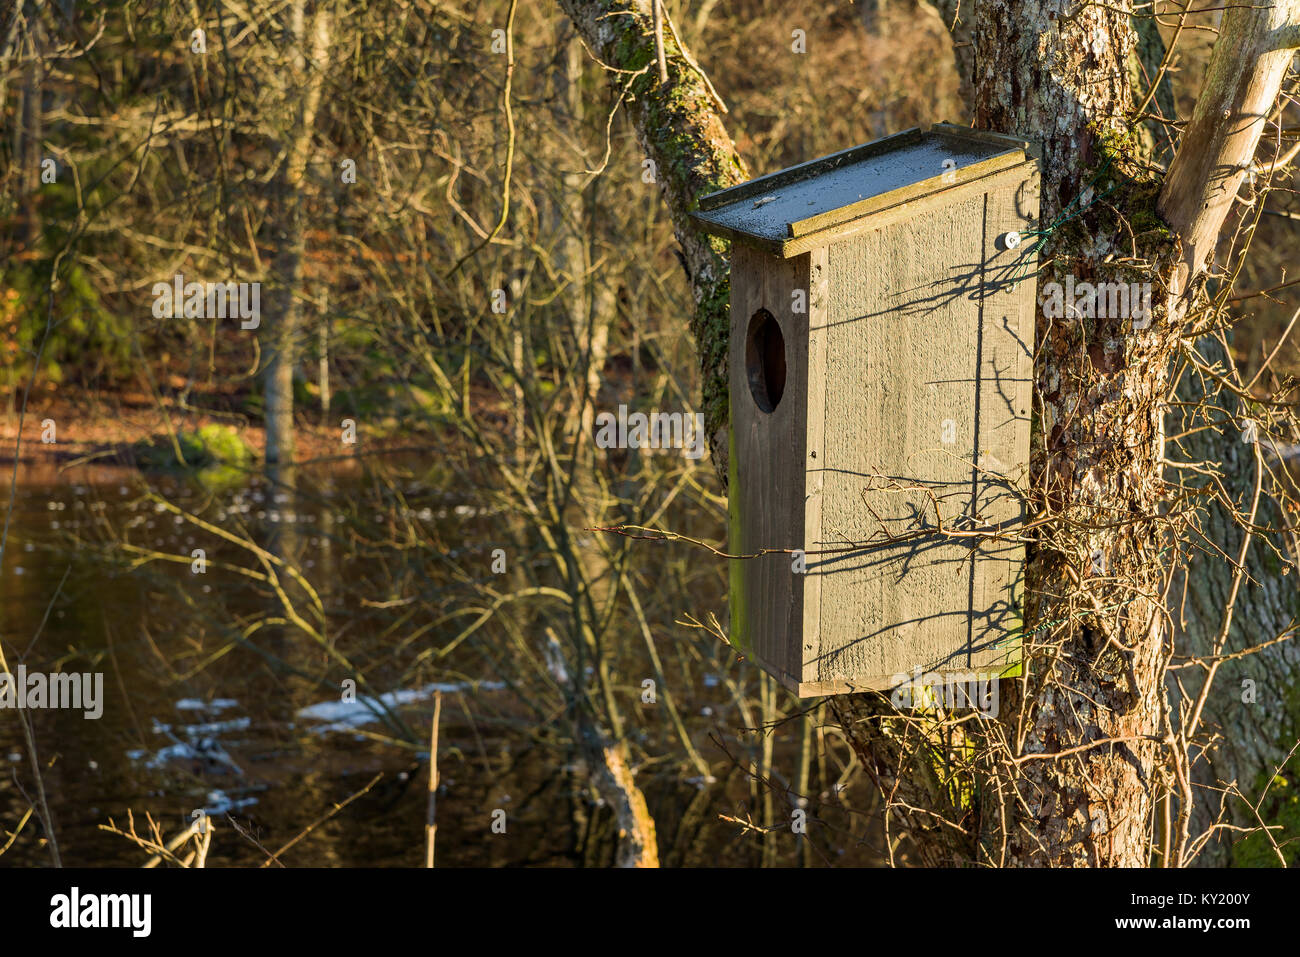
201 746
219 802
345 715
216 704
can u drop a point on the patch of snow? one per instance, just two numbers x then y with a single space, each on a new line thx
216 704
345 715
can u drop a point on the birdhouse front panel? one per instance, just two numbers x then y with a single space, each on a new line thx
880 367
767 484
940 355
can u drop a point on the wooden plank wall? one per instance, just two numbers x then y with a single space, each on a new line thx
923 344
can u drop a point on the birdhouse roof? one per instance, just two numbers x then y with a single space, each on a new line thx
781 210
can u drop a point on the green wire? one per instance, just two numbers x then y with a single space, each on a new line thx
1061 219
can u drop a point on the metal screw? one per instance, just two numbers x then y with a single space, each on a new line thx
1011 240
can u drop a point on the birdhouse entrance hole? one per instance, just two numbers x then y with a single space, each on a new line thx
765 360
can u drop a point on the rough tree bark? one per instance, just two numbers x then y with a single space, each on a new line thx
1060 74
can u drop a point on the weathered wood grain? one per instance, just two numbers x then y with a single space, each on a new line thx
766 489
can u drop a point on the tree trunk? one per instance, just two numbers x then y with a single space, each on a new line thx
1251 705
1058 75
681 133
28 133
287 226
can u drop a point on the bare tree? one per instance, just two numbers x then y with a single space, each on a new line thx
307 53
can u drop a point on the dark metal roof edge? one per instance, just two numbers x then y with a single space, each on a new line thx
982 136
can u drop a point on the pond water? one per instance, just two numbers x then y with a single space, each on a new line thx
209 706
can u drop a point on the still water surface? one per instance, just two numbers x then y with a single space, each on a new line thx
205 710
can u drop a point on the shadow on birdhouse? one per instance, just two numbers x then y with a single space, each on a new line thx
882 338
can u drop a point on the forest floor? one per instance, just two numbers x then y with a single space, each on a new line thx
105 427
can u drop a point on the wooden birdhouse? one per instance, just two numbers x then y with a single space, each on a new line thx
882 340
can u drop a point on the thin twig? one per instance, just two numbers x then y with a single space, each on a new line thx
431 822
510 143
